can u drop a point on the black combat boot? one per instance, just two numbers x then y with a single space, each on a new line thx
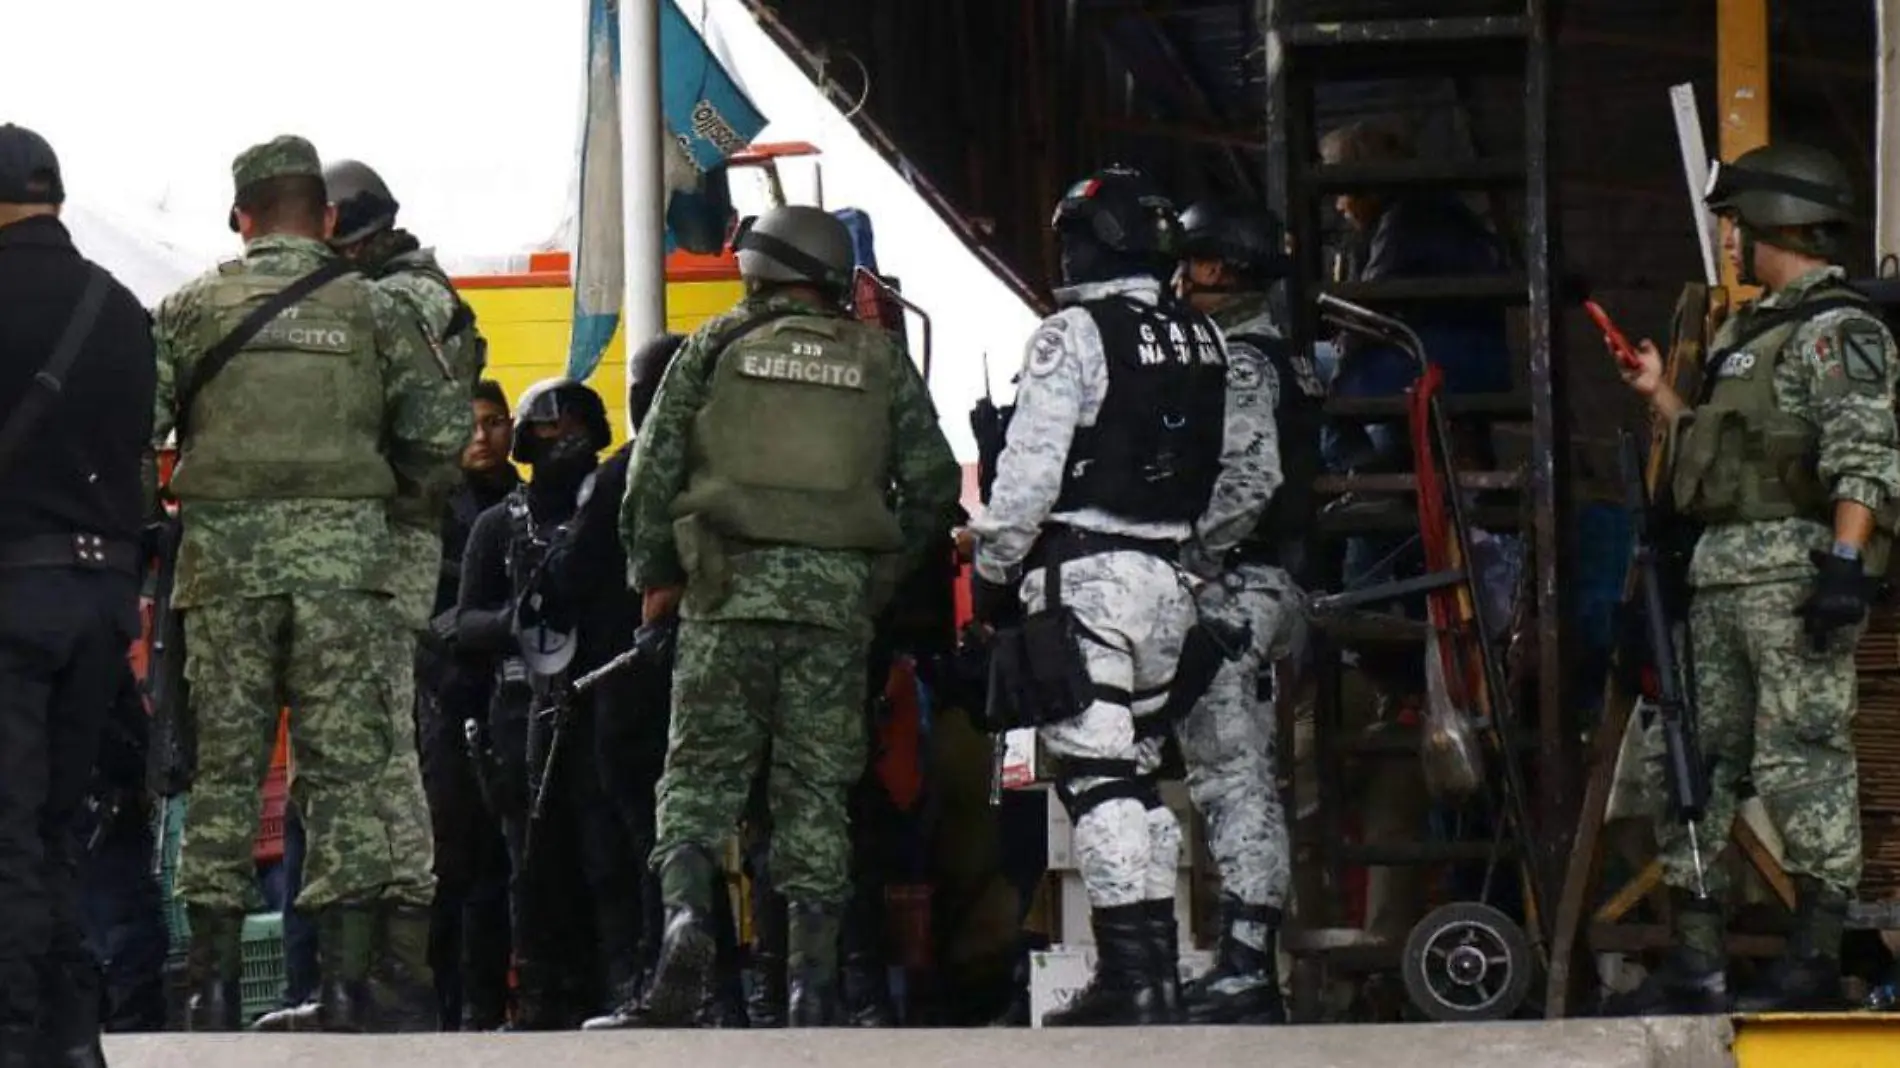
1692 980
1244 985
867 992
484 977
346 936
20 1048
688 952
1807 978
1123 991
214 965
812 965
1164 956
402 983
70 997
765 1002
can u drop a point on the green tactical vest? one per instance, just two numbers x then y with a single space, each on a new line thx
298 413
1739 458
793 445
463 349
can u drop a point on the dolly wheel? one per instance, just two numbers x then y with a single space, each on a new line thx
1467 961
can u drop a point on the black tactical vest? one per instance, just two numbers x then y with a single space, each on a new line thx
1283 536
1154 452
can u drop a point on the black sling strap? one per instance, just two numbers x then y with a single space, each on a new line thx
221 354
51 377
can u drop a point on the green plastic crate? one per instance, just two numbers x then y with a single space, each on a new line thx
262 985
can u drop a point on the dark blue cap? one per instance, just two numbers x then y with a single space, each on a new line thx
29 171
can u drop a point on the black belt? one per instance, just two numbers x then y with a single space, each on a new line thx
92 552
1062 543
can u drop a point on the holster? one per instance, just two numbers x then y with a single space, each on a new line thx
1209 644
1037 673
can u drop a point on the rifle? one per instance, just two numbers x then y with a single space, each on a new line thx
174 748
1684 773
652 649
989 425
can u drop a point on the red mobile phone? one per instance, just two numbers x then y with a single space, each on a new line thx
1619 344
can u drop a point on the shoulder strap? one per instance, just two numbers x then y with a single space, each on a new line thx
221 354
51 377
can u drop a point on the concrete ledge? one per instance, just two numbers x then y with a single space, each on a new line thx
1658 1043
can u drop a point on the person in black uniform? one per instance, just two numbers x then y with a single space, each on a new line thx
468 944
70 473
560 427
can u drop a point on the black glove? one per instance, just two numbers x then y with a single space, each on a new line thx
1840 598
994 603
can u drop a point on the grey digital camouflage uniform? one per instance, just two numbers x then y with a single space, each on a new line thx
1773 711
1141 607
1227 741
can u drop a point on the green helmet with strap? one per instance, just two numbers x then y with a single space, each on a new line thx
1782 187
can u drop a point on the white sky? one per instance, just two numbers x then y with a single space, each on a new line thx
469 109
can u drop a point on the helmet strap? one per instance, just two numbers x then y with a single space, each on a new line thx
1746 273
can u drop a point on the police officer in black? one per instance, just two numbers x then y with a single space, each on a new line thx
76 385
512 611
468 941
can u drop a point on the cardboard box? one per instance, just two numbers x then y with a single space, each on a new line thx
1057 974
1019 759
1075 908
1062 832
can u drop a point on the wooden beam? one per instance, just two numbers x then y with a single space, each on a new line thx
1741 79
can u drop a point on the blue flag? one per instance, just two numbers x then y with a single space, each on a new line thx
600 253
708 118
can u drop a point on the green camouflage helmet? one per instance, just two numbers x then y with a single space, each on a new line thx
1785 184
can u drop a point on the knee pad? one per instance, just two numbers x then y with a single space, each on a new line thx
1123 784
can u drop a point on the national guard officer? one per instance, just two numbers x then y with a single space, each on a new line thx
1788 461
1138 446
760 492
308 410
1235 254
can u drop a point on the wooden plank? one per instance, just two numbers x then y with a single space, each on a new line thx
1741 78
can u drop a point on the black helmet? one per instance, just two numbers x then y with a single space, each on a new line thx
1122 210
364 205
645 368
797 244
549 399
1785 184
1249 237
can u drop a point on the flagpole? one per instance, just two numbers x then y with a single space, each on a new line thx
643 123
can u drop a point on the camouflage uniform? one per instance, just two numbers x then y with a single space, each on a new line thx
772 651
1139 606
421 287
287 601
1774 711
1227 741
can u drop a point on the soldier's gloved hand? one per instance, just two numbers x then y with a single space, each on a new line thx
994 603
1840 598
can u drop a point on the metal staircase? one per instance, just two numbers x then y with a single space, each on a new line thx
1312 46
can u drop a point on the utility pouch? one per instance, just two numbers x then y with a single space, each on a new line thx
1037 674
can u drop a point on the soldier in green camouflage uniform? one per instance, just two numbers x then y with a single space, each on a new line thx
761 490
1789 461
366 234
292 459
